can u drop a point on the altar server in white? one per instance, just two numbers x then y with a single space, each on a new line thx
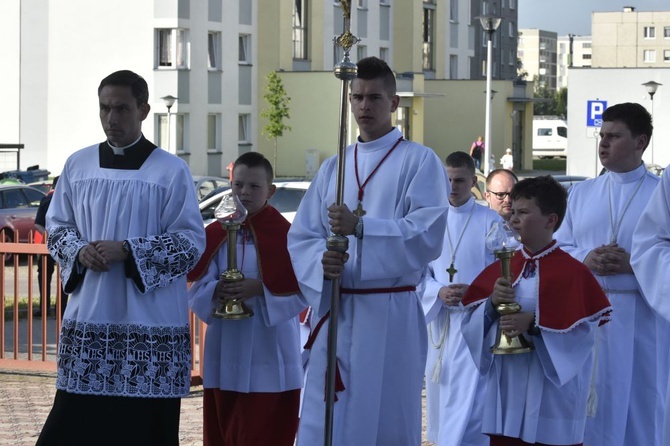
454 387
650 259
536 397
400 191
627 404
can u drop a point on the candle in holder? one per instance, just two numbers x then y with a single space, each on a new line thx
504 241
231 213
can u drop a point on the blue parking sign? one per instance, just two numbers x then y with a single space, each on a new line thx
594 113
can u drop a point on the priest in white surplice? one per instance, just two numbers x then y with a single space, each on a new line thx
627 404
125 229
650 259
454 387
400 189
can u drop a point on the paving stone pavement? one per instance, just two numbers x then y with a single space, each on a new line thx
25 401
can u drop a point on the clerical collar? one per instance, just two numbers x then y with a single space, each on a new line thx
132 158
630 176
122 150
465 207
384 142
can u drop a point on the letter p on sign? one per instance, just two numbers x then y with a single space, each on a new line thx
594 113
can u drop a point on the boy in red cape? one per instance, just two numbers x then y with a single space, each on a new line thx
539 397
252 368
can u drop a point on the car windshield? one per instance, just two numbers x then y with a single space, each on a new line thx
287 200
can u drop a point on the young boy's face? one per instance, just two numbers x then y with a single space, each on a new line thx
536 230
252 186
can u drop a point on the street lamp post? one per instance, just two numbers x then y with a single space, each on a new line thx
169 101
490 24
651 87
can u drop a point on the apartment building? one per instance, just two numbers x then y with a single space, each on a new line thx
631 39
214 55
537 51
504 41
573 51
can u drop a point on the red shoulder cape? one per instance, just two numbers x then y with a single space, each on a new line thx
568 292
270 230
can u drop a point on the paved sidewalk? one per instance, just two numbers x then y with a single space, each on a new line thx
25 401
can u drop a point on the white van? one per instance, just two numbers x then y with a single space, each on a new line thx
550 137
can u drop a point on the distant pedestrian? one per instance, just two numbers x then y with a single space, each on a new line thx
477 151
42 274
507 161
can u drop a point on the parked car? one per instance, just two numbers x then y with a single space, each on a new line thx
18 207
206 184
44 186
568 180
286 199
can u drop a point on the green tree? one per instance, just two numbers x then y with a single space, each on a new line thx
562 102
548 102
277 111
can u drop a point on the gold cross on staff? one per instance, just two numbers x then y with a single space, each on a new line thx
346 10
452 272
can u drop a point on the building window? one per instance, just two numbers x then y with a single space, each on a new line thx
244 56
586 45
666 32
362 4
586 56
338 54
174 141
650 56
666 56
384 54
383 2
512 4
512 57
649 32
510 28
428 35
453 66
361 52
171 48
243 128
214 50
213 126
300 29
453 11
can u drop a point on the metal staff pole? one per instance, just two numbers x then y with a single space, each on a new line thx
345 71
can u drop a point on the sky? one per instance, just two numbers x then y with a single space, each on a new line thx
574 16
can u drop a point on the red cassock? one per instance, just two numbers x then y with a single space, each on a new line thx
269 229
562 302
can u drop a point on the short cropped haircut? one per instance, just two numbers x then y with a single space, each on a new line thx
549 195
256 159
635 116
371 68
125 78
461 159
495 172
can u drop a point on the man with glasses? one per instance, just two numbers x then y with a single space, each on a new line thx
499 184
